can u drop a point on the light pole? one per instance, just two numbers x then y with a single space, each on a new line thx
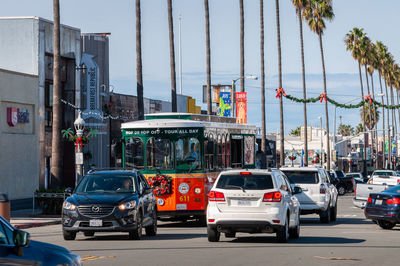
234 90
321 156
79 125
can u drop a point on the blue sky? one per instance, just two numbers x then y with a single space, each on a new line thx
378 18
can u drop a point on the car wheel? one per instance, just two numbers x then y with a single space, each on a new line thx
137 233
334 213
294 233
213 234
283 233
230 234
152 229
88 233
341 190
69 235
325 216
386 225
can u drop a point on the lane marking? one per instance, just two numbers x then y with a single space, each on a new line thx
336 258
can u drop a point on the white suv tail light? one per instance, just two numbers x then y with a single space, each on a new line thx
272 197
216 196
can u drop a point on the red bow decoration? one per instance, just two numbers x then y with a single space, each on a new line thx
78 142
279 93
322 97
368 97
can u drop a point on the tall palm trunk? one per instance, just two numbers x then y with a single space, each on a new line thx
328 148
304 88
369 111
363 121
139 75
394 121
383 124
208 57
241 45
172 56
282 133
389 129
375 132
56 142
263 129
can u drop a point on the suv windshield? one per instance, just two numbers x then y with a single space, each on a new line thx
249 182
106 183
302 177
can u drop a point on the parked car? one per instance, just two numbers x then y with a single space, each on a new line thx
385 177
16 248
318 194
343 183
253 201
357 178
384 207
110 201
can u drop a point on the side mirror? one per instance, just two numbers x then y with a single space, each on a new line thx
21 239
297 190
284 188
68 191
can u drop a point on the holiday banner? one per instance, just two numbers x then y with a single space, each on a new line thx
241 107
225 104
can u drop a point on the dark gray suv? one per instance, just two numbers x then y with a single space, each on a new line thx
110 201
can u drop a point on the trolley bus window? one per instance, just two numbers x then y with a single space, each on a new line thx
134 153
160 154
187 152
237 151
209 154
249 150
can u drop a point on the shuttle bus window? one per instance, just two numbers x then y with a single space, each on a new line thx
188 153
249 150
134 153
160 154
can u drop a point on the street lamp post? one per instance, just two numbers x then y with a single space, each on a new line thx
79 125
321 156
234 90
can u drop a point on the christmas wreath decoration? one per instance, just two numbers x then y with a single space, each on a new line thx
161 184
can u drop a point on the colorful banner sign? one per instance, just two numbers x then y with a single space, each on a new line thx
225 104
241 107
17 115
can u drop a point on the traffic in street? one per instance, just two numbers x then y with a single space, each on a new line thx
351 240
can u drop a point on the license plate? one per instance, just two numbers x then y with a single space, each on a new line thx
95 223
181 206
378 202
244 202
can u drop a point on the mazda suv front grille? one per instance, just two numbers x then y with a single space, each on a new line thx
95 211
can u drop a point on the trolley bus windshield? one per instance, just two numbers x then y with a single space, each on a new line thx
187 150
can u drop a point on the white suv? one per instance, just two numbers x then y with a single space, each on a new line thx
318 194
253 201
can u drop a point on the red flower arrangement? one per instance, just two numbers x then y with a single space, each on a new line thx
161 184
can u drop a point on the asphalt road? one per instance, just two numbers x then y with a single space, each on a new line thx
351 240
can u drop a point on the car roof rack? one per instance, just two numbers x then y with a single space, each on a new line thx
112 168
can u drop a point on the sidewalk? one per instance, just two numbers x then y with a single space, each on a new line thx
24 219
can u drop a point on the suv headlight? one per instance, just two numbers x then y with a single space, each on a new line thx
127 205
69 206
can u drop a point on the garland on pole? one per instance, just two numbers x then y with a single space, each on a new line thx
323 97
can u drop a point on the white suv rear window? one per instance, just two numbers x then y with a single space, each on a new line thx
302 177
248 182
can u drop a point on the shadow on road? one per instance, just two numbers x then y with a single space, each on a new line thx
350 220
124 237
187 224
302 240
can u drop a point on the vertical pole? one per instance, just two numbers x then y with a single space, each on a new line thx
334 132
180 54
320 157
233 98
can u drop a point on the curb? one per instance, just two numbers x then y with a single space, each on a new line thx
32 225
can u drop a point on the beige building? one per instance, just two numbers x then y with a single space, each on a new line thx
19 134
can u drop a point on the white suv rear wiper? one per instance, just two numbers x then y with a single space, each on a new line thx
233 186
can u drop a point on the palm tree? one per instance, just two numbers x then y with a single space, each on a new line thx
263 128
295 132
56 141
300 4
381 50
364 112
241 45
208 57
172 56
345 130
282 131
316 13
139 75
360 128
353 43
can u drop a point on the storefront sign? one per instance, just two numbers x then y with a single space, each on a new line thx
16 115
225 104
241 107
92 88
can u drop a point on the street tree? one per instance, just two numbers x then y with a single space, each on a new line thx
172 56
345 130
263 127
208 56
139 75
